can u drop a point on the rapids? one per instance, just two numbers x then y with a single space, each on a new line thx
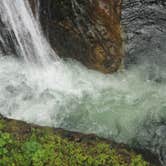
126 106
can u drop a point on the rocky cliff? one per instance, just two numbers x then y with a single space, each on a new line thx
88 31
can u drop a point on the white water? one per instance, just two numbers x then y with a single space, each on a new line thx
126 106
115 105
30 42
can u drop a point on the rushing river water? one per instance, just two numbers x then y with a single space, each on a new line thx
129 106
126 106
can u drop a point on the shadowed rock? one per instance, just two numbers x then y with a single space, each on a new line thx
86 30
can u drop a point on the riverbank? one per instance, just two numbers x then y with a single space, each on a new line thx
28 144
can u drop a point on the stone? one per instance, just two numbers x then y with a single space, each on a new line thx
144 26
86 30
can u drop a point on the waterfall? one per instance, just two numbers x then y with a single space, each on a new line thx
30 42
37 10
128 107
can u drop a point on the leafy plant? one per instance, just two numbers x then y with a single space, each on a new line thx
41 147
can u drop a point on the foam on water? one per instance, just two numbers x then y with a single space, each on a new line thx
76 98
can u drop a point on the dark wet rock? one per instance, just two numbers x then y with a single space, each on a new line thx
79 29
144 24
86 30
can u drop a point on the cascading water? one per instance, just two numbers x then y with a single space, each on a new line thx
126 106
37 10
18 18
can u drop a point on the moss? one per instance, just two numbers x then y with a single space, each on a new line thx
43 146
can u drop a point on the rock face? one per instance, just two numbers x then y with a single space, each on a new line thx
90 31
86 30
144 23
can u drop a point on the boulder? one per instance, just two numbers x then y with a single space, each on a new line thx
86 30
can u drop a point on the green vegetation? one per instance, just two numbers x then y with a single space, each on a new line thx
26 145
